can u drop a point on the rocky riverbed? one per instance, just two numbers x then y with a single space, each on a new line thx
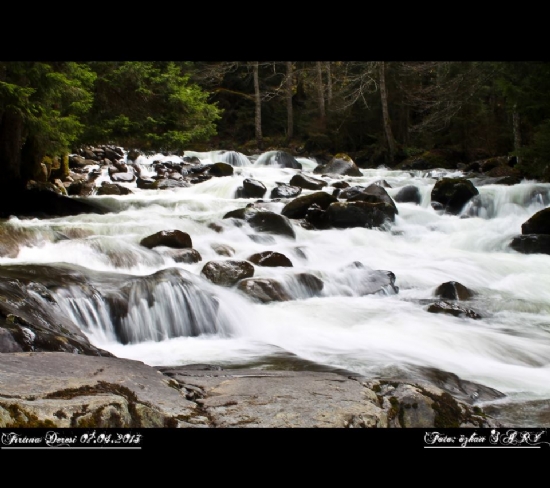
56 389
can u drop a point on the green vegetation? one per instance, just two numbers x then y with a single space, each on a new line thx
442 112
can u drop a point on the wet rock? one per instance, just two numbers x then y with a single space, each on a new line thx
221 169
270 258
264 221
297 208
453 309
285 191
187 256
531 244
264 290
539 223
227 273
169 238
251 189
409 194
359 214
453 290
307 182
113 189
341 164
453 193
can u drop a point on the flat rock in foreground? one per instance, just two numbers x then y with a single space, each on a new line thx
55 389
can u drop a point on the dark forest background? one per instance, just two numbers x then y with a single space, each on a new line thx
442 113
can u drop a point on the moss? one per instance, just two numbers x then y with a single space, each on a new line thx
60 414
377 388
25 419
343 156
101 388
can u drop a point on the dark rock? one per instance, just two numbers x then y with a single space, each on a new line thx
303 181
341 164
453 290
340 184
264 290
531 244
285 191
371 194
453 309
221 169
251 189
453 193
227 273
297 208
113 189
538 223
271 223
409 193
270 258
169 238
187 256
145 183
359 214
317 217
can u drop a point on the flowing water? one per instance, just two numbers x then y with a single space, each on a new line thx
376 335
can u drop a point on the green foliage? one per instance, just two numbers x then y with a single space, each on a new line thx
150 105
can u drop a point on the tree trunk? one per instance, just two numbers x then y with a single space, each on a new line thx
258 103
385 112
290 115
321 95
329 83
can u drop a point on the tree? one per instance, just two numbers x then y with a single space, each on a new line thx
41 111
258 105
289 106
149 105
385 112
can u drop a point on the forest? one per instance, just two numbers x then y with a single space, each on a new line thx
380 113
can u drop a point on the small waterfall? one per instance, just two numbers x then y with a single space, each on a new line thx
170 303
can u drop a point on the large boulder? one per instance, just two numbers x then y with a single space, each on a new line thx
251 189
453 290
408 194
371 194
169 238
264 221
270 258
453 194
538 223
307 182
264 290
297 208
285 191
221 169
359 214
281 159
227 273
341 164
531 244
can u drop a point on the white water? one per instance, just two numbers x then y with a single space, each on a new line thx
508 349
